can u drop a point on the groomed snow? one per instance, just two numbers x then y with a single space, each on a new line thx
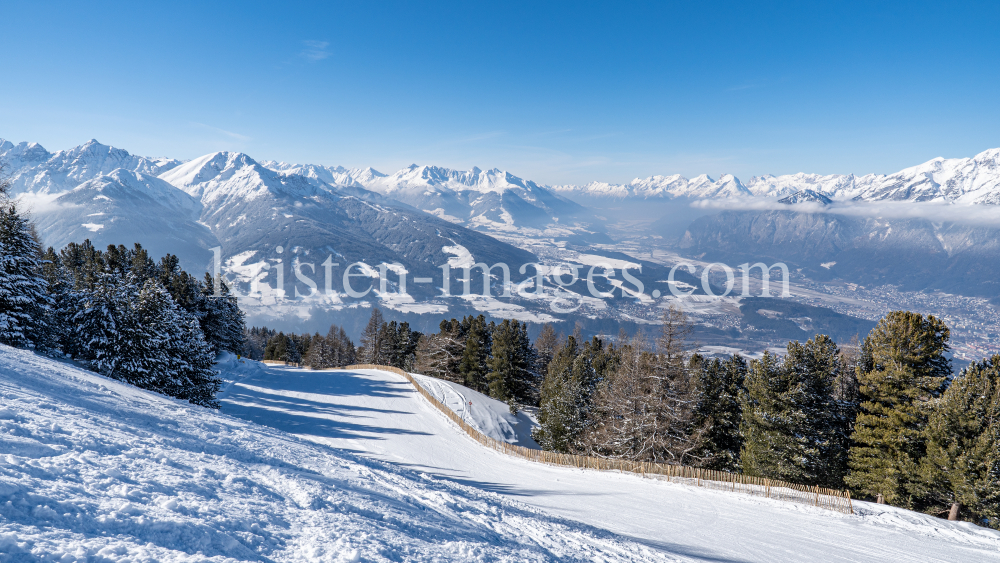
379 415
484 413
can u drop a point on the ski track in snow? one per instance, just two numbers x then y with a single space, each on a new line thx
94 470
381 416
356 466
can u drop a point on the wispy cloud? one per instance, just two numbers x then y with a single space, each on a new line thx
315 50
229 134
744 87
938 212
482 136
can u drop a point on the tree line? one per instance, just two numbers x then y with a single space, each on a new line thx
333 350
117 311
884 416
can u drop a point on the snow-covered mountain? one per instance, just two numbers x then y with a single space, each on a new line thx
837 186
958 180
674 186
254 211
490 199
221 178
333 175
230 200
124 207
806 196
22 155
973 180
35 170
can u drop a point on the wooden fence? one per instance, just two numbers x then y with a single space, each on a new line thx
719 480
281 363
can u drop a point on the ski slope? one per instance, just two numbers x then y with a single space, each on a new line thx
379 415
92 470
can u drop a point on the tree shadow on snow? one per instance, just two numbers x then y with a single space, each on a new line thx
274 403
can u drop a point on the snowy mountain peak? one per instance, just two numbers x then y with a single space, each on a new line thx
35 170
225 175
947 180
806 196
22 154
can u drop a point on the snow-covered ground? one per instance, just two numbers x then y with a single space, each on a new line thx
356 466
379 415
94 470
486 414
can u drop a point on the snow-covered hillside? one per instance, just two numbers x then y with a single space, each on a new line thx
484 413
378 414
94 470
124 207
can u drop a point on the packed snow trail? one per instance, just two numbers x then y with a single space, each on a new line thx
98 471
380 415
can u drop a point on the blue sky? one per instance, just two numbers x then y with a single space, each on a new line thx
558 93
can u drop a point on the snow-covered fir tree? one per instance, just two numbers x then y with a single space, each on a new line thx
24 300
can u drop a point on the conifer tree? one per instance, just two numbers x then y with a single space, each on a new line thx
720 383
814 368
222 321
406 350
625 419
440 355
24 301
477 351
768 424
907 368
389 349
318 356
545 347
511 377
962 465
115 315
280 348
192 376
372 347
644 410
95 325
60 316
342 348
256 342
160 348
559 421
791 423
